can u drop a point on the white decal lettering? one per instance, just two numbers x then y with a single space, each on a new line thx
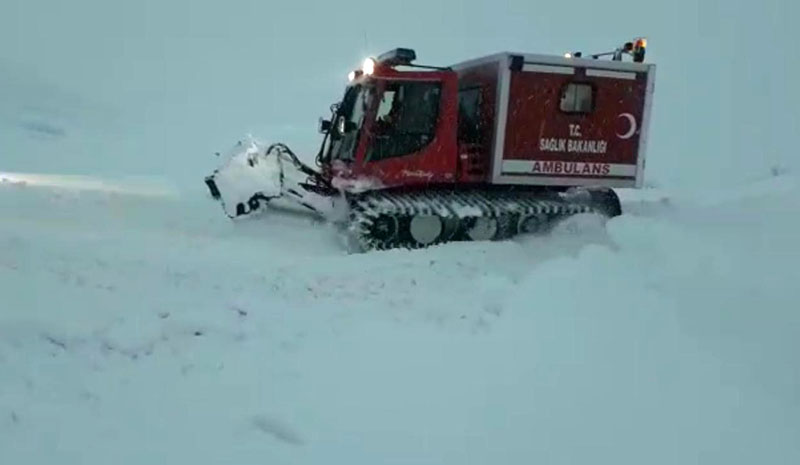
573 145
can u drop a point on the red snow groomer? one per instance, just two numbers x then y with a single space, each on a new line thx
482 150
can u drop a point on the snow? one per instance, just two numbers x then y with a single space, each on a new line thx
139 325
360 184
465 211
247 171
151 329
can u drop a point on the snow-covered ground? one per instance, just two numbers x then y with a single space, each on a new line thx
151 329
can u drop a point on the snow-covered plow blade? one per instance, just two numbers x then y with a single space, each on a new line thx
254 176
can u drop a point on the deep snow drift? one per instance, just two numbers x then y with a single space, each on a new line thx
151 329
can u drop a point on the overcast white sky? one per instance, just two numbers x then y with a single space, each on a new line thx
154 87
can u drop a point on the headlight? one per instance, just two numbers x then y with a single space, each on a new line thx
369 66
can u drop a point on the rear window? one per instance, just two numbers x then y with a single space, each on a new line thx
577 98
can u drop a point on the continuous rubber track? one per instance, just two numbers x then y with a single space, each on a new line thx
385 219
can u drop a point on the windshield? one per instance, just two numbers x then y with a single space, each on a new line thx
347 122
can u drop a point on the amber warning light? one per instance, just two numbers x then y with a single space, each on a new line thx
637 49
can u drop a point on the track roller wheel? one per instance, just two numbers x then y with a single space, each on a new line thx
482 228
489 228
425 230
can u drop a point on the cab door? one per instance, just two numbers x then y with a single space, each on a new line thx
411 133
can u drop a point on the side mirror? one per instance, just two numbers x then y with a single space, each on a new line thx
343 126
324 126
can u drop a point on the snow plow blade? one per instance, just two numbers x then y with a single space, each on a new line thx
254 177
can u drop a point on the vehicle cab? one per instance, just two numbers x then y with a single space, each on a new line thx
393 126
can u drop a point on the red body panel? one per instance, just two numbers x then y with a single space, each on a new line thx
583 144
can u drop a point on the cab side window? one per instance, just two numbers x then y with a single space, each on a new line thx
405 121
470 127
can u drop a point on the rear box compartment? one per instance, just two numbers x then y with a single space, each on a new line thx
564 121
